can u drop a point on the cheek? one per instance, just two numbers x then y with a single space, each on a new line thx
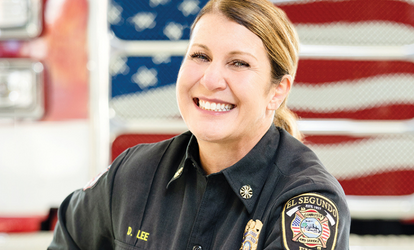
188 76
185 82
246 87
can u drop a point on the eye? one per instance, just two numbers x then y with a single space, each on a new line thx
240 64
200 56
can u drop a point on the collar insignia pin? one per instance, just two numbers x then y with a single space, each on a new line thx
246 192
178 173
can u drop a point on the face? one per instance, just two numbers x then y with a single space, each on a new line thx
224 88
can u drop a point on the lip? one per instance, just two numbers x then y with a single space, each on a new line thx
196 103
197 99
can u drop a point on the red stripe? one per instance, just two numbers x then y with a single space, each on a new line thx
350 11
295 230
398 182
125 141
324 71
20 224
11 49
326 232
332 139
382 112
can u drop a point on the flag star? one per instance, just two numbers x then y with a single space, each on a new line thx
145 77
143 20
189 7
174 31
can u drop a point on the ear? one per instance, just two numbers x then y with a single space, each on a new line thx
279 92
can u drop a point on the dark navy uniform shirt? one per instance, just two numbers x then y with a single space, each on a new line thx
156 196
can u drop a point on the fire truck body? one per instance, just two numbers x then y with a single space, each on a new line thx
44 120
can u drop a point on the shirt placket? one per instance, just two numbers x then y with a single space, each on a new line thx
212 202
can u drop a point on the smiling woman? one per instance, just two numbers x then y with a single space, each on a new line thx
219 72
238 179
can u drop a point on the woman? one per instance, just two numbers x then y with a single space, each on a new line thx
236 181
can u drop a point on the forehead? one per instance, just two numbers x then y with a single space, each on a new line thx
215 29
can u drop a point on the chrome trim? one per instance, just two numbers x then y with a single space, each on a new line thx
37 109
33 27
98 44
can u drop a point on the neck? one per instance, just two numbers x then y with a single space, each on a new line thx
216 156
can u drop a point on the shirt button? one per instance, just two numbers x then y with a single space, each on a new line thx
197 247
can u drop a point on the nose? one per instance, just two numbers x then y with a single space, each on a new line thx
213 78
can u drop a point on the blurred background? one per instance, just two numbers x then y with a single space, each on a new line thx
82 80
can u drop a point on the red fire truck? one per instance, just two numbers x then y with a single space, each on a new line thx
82 80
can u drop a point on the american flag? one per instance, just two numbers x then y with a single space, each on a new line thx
356 88
326 232
296 225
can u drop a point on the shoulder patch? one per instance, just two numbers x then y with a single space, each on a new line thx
92 182
310 221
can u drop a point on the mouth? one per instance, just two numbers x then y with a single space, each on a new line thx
213 106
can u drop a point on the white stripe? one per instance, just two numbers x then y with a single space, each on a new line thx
292 211
154 103
362 33
331 220
368 156
352 95
355 127
161 102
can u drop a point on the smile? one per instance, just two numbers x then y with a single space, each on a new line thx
212 106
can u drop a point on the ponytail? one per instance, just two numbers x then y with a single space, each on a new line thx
286 119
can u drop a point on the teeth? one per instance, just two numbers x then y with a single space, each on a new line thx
212 106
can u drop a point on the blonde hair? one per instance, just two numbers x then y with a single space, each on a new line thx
279 37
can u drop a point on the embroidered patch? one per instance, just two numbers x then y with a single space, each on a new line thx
92 182
251 235
310 221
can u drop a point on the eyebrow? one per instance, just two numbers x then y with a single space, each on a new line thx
242 53
201 45
231 53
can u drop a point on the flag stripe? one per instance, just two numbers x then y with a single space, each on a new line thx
374 33
373 155
317 72
335 11
349 95
380 112
394 182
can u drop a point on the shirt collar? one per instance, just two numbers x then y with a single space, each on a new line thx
250 172
254 168
191 158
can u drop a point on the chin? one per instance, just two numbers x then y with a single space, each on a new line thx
209 134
